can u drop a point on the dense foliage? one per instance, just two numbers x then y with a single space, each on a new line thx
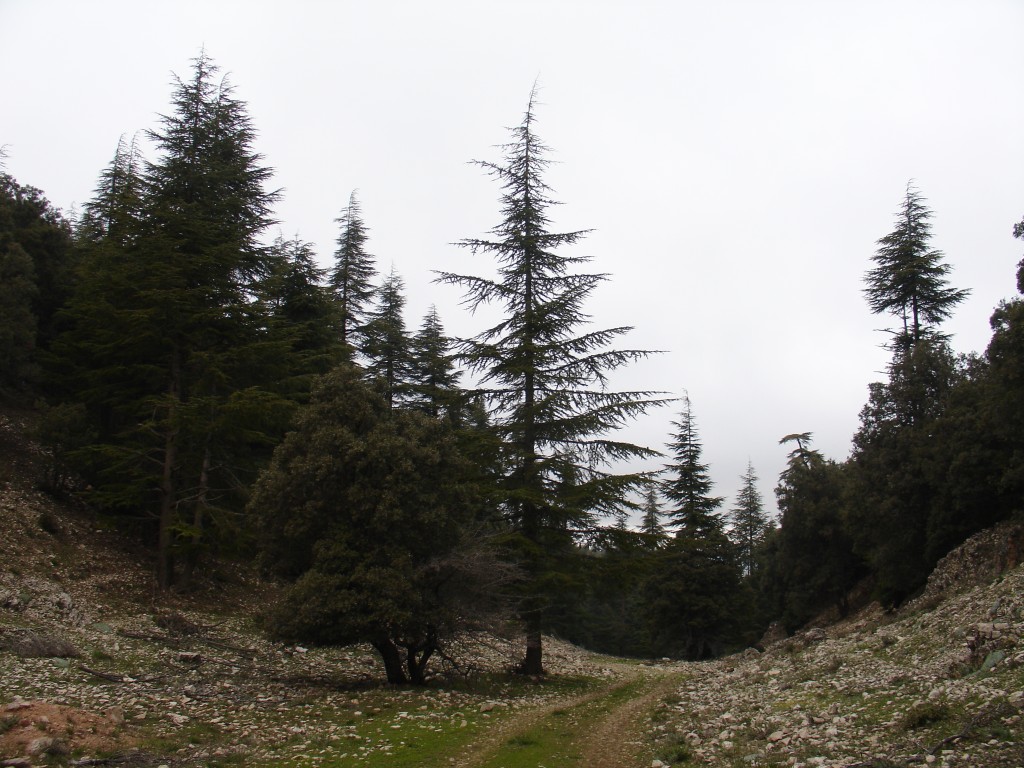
936 457
373 511
210 391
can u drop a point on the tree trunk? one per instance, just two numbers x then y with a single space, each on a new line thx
533 662
392 661
168 508
164 554
198 518
416 662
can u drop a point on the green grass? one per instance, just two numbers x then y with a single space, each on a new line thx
425 737
554 741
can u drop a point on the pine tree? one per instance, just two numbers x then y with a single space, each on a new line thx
1018 231
689 483
1005 355
95 362
113 215
814 566
167 338
544 380
435 379
352 275
206 208
17 320
748 519
650 524
696 606
36 272
386 344
909 280
302 312
695 592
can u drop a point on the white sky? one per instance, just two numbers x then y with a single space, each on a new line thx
738 160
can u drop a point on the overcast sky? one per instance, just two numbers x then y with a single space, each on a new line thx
736 160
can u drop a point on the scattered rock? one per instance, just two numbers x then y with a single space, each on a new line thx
775 633
815 635
17 703
26 643
176 624
46 745
876 689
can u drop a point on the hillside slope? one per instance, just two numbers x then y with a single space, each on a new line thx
98 668
939 682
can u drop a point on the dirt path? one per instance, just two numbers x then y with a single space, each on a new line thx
612 740
617 739
501 732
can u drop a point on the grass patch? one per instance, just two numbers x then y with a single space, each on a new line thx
924 715
554 741
522 741
413 727
675 750
8 722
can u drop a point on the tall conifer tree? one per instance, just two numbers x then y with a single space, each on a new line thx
544 380
909 279
650 523
386 343
688 484
352 275
748 519
893 449
695 589
184 364
435 379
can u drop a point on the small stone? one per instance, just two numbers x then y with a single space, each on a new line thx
16 704
487 706
46 745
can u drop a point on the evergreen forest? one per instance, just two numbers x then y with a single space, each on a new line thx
217 394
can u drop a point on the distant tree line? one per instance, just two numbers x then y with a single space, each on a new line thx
938 455
216 394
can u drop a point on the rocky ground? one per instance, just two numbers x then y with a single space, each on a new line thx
98 668
940 682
